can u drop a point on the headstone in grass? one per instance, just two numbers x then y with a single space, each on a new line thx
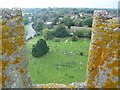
80 62
80 68
75 69
66 41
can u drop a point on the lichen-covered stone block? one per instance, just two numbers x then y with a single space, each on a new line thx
103 61
13 55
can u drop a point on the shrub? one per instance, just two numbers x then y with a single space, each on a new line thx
79 33
81 53
56 39
60 31
89 33
87 21
83 33
74 38
47 34
40 48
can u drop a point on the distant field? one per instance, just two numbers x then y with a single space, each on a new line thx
62 64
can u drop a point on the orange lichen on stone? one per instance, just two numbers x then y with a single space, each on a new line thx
5 28
0 79
94 72
8 47
18 58
103 53
22 71
70 87
4 64
110 83
3 80
16 68
19 41
24 82
13 40
108 74
114 72
102 68
108 79
90 84
19 30
112 65
101 63
15 62
4 21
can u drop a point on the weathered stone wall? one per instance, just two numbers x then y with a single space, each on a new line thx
103 60
13 55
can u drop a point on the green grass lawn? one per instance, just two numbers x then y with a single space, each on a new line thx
62 64
26 30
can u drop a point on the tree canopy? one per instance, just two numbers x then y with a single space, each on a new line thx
67 21
38 26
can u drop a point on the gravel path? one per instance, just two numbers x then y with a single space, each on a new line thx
31 31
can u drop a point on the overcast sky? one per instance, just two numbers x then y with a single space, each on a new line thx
59 3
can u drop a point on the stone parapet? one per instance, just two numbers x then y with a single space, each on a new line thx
13 55
103 61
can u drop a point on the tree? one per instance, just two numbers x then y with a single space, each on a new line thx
55 20
87 21
67 21
38 26
80 24
47 34
77 22
60 31
44 18
49 26
25 21
40 48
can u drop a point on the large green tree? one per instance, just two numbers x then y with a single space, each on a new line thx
67 21
38 26
40 48
44 18
87 21
55 20
60 31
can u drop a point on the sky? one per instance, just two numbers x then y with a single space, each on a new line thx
59 3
